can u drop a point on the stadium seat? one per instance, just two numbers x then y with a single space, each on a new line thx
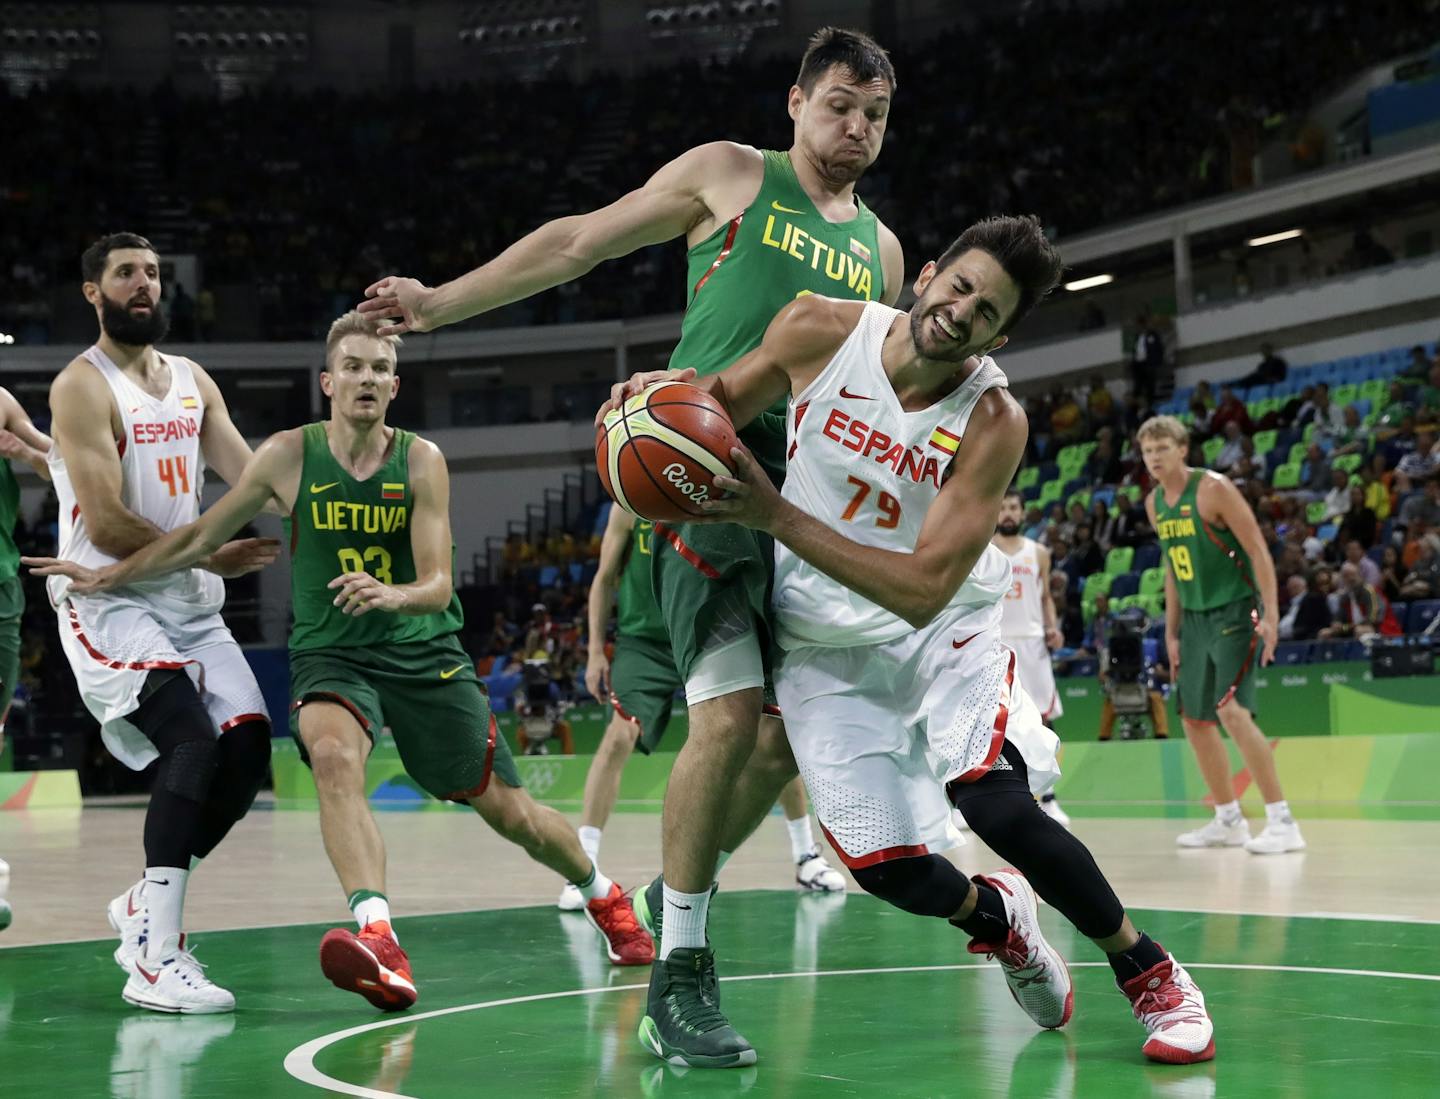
1345 394
1104 495
1362 407
1327 533
1212 449
1154 607
1097 583
1049 471
1124 586
549 576
1073 485
1132 492
1028 476
1421 614
1348 462
1119 560
1081 497
1152 581
576 571
1315 511
1049 493
602 517
1265 441
1146 557
1297 451
1375 390
1287 476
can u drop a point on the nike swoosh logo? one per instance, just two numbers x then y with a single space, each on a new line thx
683 907
854 396
130 908
151 977
962 644
785 209
157 881
452 671
321 488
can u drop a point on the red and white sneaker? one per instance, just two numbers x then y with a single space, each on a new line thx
1172 1008
370 963
626 941
1038 978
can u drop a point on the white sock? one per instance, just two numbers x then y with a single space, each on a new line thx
165 902
590 841
373 909
1278 812
720 860
598 885
1229 813
685 917
802 839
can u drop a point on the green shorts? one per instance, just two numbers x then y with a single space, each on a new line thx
12 606
699 570
1218 651
643 682
429 695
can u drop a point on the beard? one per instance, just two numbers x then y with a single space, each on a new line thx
125 327
1007 529
932 347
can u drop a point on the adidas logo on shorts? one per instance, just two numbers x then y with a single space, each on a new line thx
1001 764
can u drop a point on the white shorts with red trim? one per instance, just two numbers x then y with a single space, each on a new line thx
113 642
879 730
1037 675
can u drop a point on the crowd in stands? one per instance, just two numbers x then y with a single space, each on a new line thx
297 199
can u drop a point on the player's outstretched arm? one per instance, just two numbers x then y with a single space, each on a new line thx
614 545
429 593
675 199
20 439
1234 511
959 525
205 542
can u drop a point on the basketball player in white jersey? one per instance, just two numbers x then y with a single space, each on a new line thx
896 686
1027 620
154 662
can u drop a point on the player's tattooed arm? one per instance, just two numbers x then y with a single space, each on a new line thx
959 525
20 439
429 593
274 470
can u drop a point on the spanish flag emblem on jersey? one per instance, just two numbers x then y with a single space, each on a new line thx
391 490
189 402
946 442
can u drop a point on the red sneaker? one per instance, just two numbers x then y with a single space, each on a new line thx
370 963
1172 1008
626 941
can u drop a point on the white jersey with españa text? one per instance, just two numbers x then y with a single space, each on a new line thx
1021 612
114 641
860 463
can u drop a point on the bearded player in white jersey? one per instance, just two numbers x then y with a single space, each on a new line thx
154 662
1027 620
898 692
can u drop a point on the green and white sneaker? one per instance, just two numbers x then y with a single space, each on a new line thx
683 1024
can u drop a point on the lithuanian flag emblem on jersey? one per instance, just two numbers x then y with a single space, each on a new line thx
391 490
946 442
189 402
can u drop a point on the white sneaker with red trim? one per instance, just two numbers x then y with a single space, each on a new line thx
1216 833
1171 1007
131 920
1038 978
173 981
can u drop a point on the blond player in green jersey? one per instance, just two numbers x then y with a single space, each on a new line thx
375 643
763 227
1221 618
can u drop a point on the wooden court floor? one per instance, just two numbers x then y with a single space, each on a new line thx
1322 971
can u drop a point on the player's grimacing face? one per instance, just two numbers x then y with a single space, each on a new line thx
960 309
841 124
361 380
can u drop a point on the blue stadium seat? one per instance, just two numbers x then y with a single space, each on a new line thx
602 516
576 571
1104 495
1127 583
1376 554
1048 472
1327 533
549 576
1074 485
1421 614
1146 557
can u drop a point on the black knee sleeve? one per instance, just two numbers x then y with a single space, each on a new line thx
1058 866
190 769
174 719
244 753
927 885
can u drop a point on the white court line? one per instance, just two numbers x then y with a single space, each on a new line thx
300 1061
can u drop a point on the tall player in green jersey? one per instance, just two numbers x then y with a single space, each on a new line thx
1221 614
763 228
640 685
374 643
20 441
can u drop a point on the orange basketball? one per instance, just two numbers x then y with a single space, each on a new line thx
658 455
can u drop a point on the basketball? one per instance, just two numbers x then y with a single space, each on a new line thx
659 453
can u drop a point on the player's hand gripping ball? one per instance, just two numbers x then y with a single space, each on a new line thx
658 453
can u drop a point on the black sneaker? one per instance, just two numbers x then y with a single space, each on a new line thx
683 1024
